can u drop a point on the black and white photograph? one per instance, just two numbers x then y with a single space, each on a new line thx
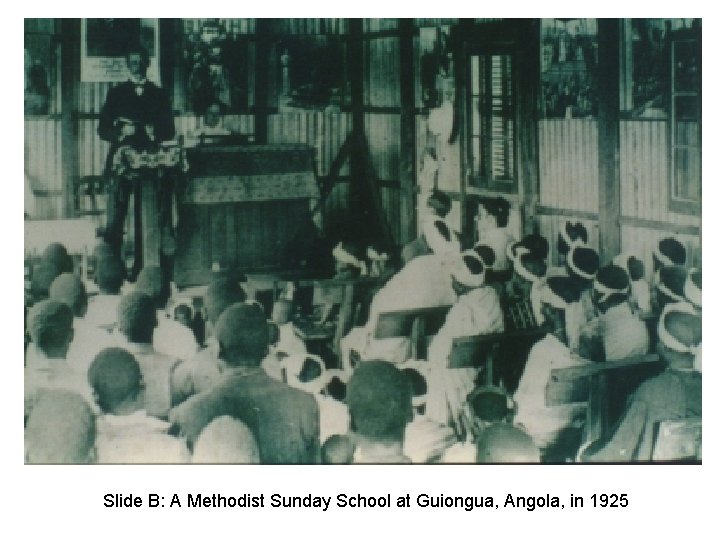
363 241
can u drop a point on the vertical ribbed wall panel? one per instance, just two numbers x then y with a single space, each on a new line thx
382 72
645 175
326 132
383 135
43 165
568 151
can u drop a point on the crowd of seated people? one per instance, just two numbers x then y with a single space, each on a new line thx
114 373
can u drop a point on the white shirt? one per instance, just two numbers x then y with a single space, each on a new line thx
174 339
543 423
88 341
137 438
103 311
477 312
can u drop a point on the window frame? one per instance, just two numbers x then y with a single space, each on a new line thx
481 183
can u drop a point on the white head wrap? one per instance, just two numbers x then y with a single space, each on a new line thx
566 237
669 340
571 264
660 286
606 291
460 271
692 291
292 366
521 270
436 241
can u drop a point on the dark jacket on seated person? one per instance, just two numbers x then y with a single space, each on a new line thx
283 420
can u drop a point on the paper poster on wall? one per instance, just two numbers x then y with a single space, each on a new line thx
103 46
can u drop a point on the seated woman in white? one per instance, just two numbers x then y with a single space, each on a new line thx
477 311
422 283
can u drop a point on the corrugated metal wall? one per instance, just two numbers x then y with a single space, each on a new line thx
568 155
43 167
645 174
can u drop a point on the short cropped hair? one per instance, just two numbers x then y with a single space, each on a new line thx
137 317
109 274
152 281
226 440
69 289
115 377
242 332
220 294
497 207
60 429
379 399
50 324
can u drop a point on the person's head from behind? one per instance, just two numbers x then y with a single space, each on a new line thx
527 270
679 335
493 213
137 59
56 255
213 113
467 272
152 281
50 327
503 443
379 399
222 293
226 440
242 334
555 297
69 289
668 252
671 285
582 265
570 235
109 274
537 245
440 238
610 287
116 380
60 429
439 203
137 317
43 274
337 450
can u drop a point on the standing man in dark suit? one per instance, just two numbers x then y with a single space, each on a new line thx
136 114
283 420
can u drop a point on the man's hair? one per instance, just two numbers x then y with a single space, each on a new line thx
576 231
138 48
109 274
503 443
440 201
69 289
115 377
60 429
226 440
50 324
242 332
337 450
497 207
673 250
137 317
379 399
537 245
533 264
56 254
43 274
220 294
152 281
